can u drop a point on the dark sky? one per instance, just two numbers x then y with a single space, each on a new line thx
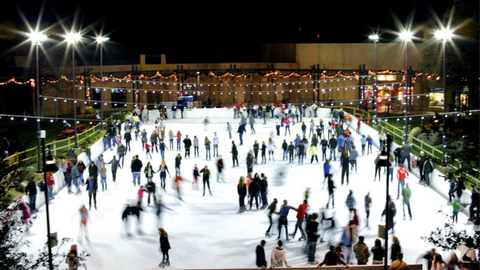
213 31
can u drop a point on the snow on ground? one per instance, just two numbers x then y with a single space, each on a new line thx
207 232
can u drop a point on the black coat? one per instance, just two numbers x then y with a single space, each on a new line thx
254 188
242 191
187 142
31 188
164 244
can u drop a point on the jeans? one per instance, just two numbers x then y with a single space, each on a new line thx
264 199
103 180
287 127
136 175
162 153
285 154
50 192
408 159
312 247
427 178
332 151
33 200
324 152
163 176
298 225
408 208
369 149
331 195
300 158
215 149
278 129
241 137
121 159
76 183
400 183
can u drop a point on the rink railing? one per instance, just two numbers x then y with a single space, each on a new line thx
338 267
30 156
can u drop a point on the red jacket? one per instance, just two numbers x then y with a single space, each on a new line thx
301 210
402 174
50 180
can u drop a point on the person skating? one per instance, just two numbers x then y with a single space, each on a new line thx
240 131
216 142
392 211
220 165
187 144
242 192
272 208
103 177
264 150
406 195
121 152
83 223
256 148
345 163
314 150
353 158
332 145
136 168
264 190
128 138
312 237
249 161
253 191
229 130
163 169
206 179
283 219
31 191
196 144
331 189
92 187
301 153
176 183
151 188
179 140
401 175
368 205
234 154
301 212
178 162
208 145
114 167
164 247
131 210
251 121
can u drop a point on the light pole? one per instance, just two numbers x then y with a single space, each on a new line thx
406 36
100 40
375 39
37 38
72 38
443 36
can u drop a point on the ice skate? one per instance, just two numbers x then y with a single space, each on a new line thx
162 264
302 238
167 263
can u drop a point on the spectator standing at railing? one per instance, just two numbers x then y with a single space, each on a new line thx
406 151
31 191
428 168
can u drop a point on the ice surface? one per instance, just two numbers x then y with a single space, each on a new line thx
207 232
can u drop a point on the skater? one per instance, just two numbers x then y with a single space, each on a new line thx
178 162
256 147
350 202
31 191
164 247
392 211
216 141
206 179
301 212
219 164
272 208
92 186
103 177
129 211
163 169
312 236
151 188
50 184
242 192
196 144
251 121
148 172
345 163
282 220
140 193
234 154
205 123
136 168
229 130
253 190
207 149
264 190
179 140
187 144
121 152
327 170
115 164
401 175
285 150
260 254
196 174
287 126
170 138
264 149
128 138
314 150
332 144
331 188
176 183
353 158
241 129
249 161
406 195
368 205
83 223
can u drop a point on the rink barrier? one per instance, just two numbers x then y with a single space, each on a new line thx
339 267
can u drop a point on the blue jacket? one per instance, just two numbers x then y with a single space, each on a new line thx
297 142
341 141
326 168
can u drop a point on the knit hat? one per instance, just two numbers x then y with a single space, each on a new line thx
73 247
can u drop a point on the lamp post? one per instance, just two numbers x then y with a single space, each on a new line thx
100 40
443 36
406 36
37 38
72 38
375 39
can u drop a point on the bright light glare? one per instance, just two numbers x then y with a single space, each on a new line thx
406 36
375 38
101 39
444 34
37 37
72 37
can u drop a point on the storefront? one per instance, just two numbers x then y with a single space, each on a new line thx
436 97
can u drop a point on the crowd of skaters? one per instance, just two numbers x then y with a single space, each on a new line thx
334 138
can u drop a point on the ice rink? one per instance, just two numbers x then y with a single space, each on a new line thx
207 232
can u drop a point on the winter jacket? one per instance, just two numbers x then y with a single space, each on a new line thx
187 142
254 188
332 144
92 184
242 191
121 150
31 188
361 252
264 185
353 154
137 165
301 210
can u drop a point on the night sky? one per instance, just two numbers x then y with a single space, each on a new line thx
218 31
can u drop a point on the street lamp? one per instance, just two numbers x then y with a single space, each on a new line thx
406 36
100 40
37 38
72 38
375 39
444 35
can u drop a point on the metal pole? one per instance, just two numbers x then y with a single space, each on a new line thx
405 95
37 87
74 96
444 139
376 86
102 127
389 141
50 257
